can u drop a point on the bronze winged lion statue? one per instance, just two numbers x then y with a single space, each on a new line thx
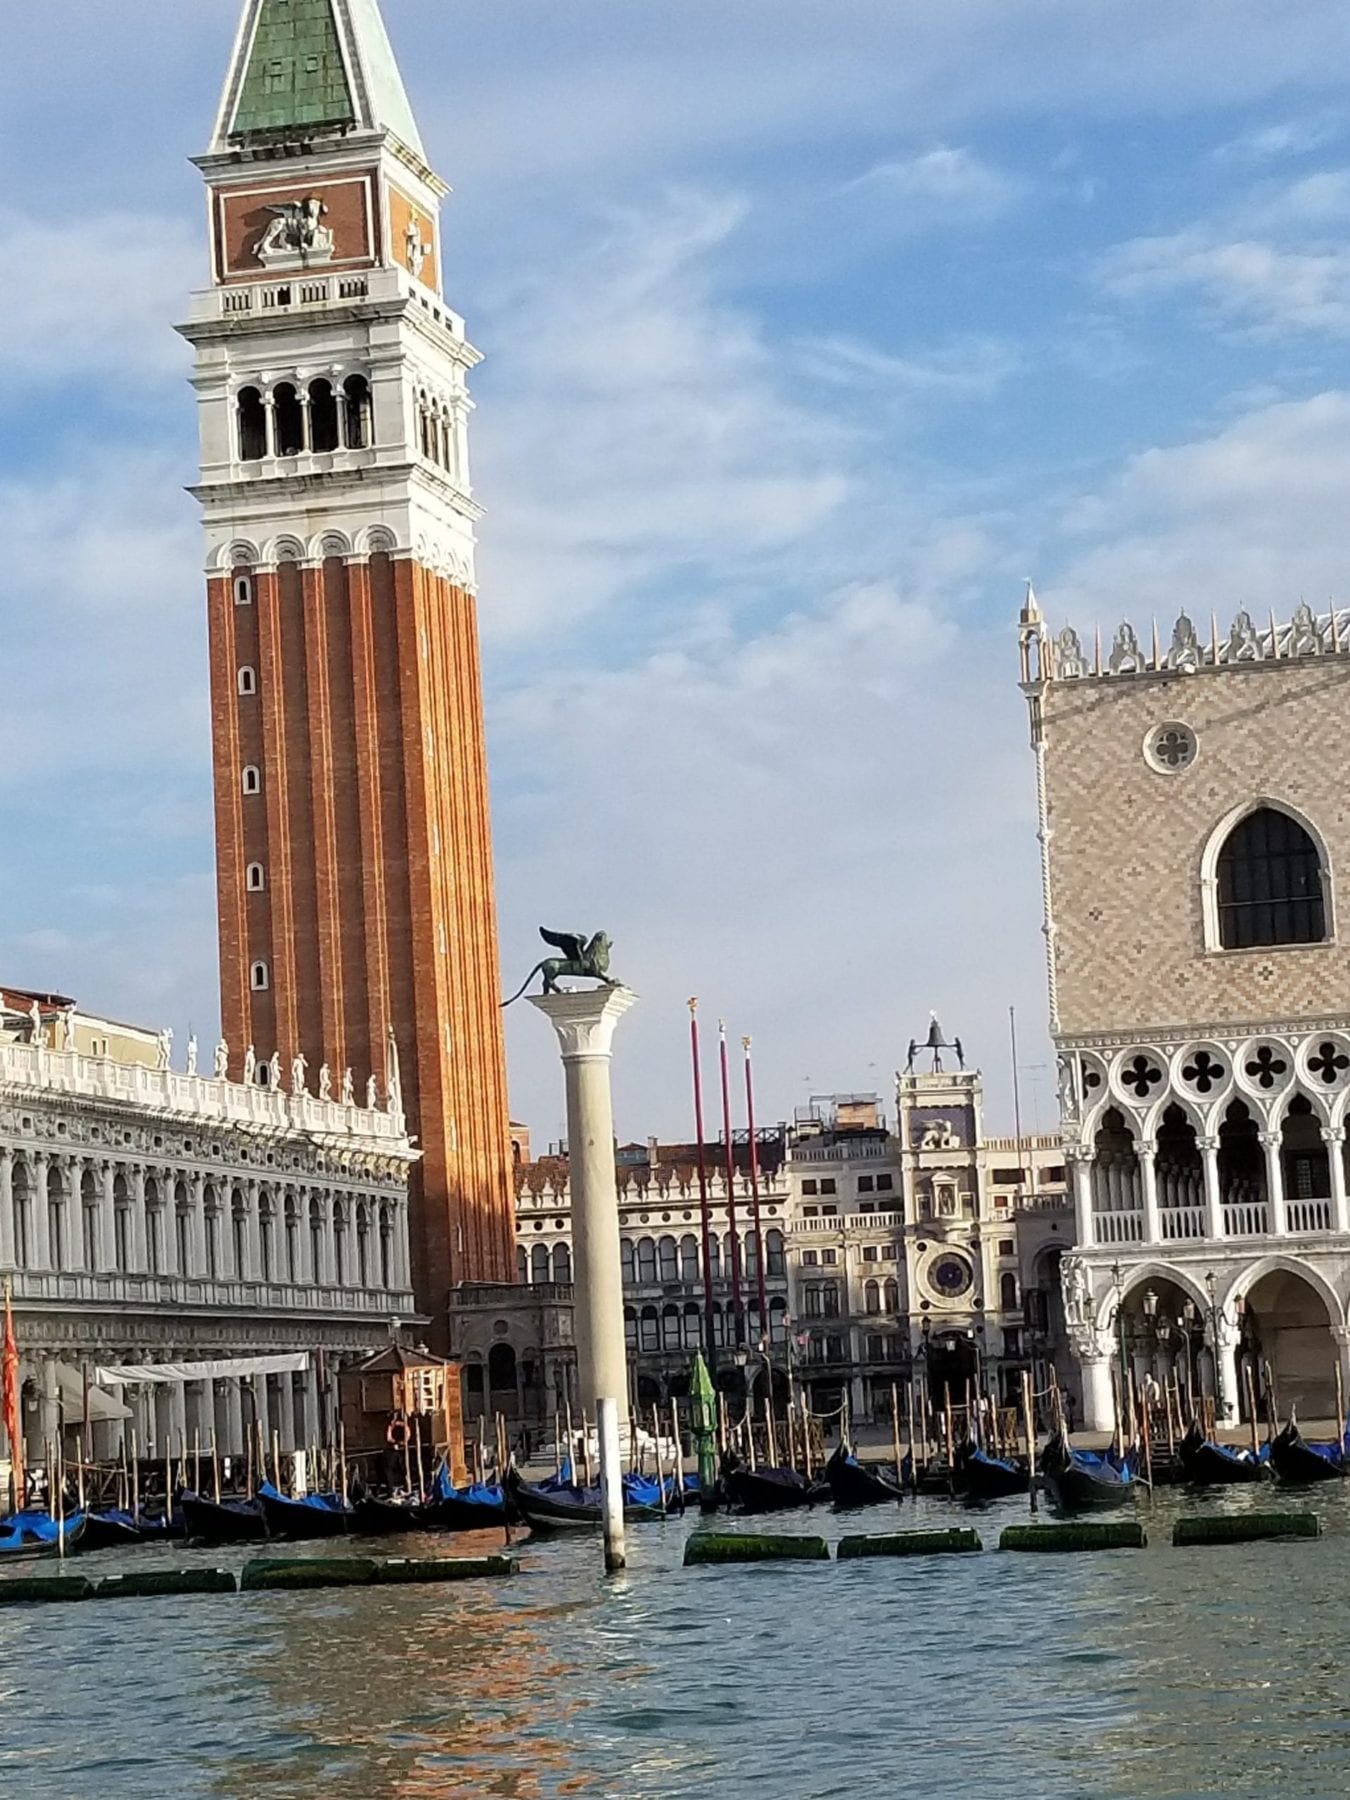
580 956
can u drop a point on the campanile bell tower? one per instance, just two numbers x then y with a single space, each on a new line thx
353 851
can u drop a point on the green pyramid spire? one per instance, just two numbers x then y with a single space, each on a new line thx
296 74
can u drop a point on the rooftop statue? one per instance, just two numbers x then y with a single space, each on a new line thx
581 956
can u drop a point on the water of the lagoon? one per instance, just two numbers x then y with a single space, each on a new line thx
1167 1673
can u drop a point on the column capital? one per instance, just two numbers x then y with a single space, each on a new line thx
1209 1146
585 1020
1270 1140
1333 1134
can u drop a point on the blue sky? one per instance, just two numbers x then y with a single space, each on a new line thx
811 330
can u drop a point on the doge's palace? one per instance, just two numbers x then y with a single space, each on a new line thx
1195 829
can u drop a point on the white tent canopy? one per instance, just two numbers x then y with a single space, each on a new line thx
102 1407
233 1368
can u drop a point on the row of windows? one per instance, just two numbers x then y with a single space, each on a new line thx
436 432
867 1184
665 1259
681 1328
291 420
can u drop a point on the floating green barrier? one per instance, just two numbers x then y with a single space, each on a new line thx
910 1543
32 1590
1245 1528
442 1568
1086 1534
141 1584
309 1572
748 1546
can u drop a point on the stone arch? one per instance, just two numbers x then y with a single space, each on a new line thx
376 540
1213 849
1290 1318
329 543
238 555
285 549
1283 1262
1138 1277
1197 1115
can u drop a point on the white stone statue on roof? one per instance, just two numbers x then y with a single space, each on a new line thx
348 1088
325 1082
222 1062
192 1053
164 1048
250 1064
299 1069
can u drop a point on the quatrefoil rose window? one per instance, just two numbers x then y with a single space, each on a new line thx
1170 748
1266 1067
1141 1075
1203 1072
1329 1063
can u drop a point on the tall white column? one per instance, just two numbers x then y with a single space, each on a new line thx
1099 1408
6 1209
38 1224
1080 1163
140 1224
1148 1173
107 1222
197 1188
585 1025
1270 1143
1209 1154
1334 1139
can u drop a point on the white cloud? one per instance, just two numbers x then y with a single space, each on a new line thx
945 185
1252 516
97 294
973 367
1281 138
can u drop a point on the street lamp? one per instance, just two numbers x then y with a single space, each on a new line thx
1188 1317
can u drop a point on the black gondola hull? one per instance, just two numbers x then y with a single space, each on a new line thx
1204 1464
851 1484
1078 1486
981 1477
302 1524
224 1521
1298 1464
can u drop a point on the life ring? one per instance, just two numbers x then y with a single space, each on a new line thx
398 1433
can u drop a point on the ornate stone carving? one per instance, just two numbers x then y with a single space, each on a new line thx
297 235
1126 657
1069 662
1184 654
1305 634
1243 643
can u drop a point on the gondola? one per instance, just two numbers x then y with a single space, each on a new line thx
223 1521
768 1489
112 1529
316 1516
388 1518
556 1508
851 1484
1207 1464
476 1508
1085 1480
27 1534
982 1477
1300 1463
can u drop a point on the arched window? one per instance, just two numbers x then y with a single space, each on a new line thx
362 1247
252 428
292 1220
288 418
318 1274
668 1259
539 1264
211 1231
777 1319
89 1220
715 1256
182 1228
522 1265
247 680
501 1369
688 1257
692 1325
890 1297
23 1214
258 978
239 1235
670 1327
629 1273
774 1263
121 1223
387 1248
358 417
872 1297
646 1259
1269 883
1007 1291
340 1244
562 1263
630 1327
254 879
649 1330
243 590
56 1218
323 415
252 780
267 1236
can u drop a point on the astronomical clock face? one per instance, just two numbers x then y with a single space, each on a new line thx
950 1276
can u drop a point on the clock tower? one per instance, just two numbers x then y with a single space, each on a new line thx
356 904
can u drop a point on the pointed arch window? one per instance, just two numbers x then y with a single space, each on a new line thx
1270 883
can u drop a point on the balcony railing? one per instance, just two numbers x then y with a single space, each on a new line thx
1118 1228
1308 1215
1181 1223
1189 1224
852 1221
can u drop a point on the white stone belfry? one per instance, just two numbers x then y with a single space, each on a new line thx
585 1023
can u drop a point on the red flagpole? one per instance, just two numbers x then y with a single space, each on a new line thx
11 1403
709 1334
737 1304
754 1194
